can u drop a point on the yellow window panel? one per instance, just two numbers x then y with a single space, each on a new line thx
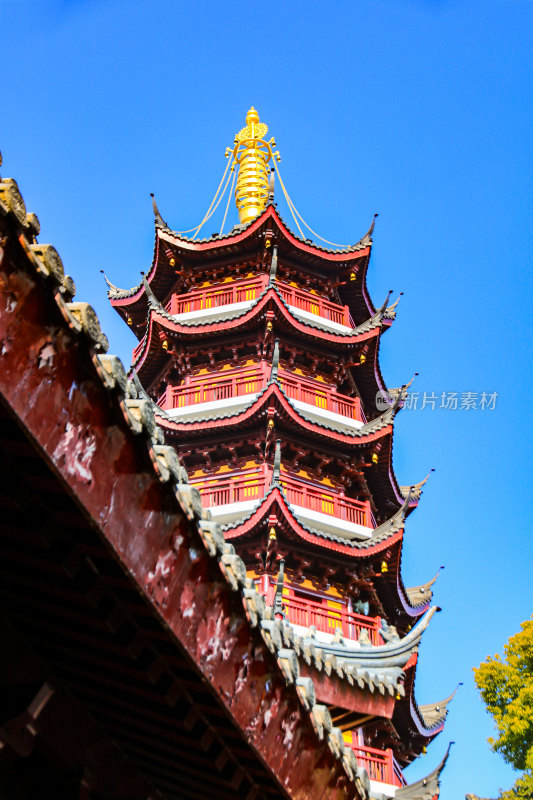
251 488
327 506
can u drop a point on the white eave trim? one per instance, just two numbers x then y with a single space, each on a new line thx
307 316
196 410
330 524
323 414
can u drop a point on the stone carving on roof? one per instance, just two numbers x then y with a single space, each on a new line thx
422 594
434 714
427 788
416 489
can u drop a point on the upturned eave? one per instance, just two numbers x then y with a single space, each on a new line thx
382 538
161 277
427 788
240 234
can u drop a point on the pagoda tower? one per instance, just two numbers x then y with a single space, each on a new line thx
259 350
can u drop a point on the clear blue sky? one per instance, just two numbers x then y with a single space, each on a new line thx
418 110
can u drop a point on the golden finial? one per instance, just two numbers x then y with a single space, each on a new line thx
252 153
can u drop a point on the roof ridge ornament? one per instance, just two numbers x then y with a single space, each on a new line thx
426 788
367 238
251 153
157 216
423 593
278 595
435 713
115 292
416 490
273 265
394 523
277 464
153 302
275 363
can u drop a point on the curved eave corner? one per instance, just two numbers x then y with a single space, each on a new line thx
135 300
434 715
427 788
240 233
384 536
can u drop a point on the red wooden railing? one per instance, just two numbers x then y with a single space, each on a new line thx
314 304
321 395
327 619
221 295
318 499
247 380
233 490
239 291
304 611
380 764
247 289
220 387
241 488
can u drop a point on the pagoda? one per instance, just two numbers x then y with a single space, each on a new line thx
259 353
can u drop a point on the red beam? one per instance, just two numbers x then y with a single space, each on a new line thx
330 689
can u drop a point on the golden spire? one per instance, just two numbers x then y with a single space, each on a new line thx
252 153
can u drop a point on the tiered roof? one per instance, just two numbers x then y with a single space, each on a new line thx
139 616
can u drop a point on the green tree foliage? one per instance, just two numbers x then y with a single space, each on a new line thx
506 687
522 790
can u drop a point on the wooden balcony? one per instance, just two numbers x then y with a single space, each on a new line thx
327 614
249 289
248 380
327 502
380 765
321 395
223 386
253 486
313 304
232 490
327 619
214 296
